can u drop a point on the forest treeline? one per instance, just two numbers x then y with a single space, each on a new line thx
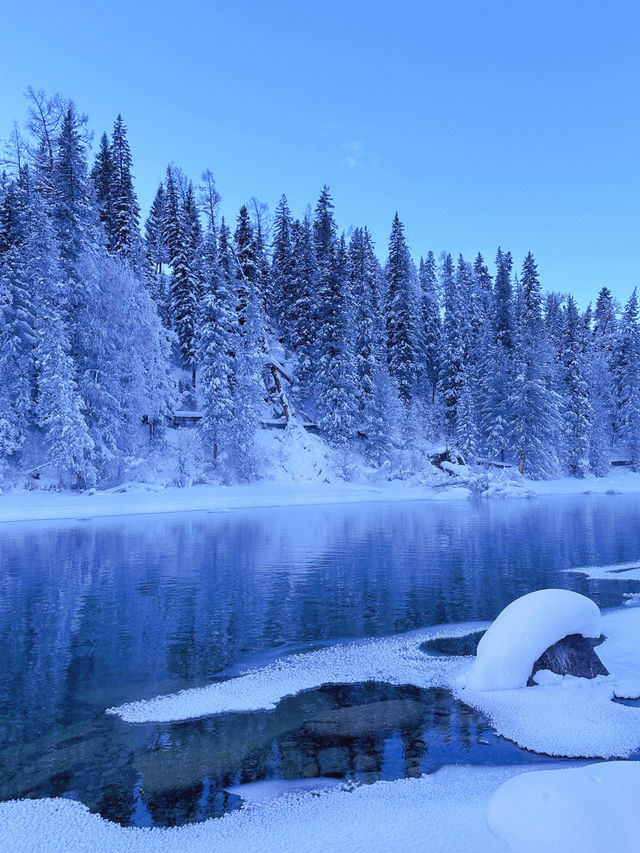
104 324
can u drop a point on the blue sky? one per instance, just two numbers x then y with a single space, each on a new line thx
482 124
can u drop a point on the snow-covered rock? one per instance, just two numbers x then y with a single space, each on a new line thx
591 809
523 631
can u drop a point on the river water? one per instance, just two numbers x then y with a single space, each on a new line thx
97 613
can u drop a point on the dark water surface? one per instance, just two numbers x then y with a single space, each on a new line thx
96 613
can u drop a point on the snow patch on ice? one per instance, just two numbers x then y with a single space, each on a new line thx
521 633
396 660
256 792
589 809
613 572
443 811
571 717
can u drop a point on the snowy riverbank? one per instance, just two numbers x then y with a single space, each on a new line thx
146 499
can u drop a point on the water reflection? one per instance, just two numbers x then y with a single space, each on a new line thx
97 613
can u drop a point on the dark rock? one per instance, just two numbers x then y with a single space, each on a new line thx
572 655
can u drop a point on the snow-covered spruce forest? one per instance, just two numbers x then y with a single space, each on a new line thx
109 326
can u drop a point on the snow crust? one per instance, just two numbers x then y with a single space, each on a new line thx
613 572
521 633
302 477
591 809
396 660
408 814
571 717
256 792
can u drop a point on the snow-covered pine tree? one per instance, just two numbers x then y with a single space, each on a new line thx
336 368
402 312
602 382
577 411
59 408
74 216
103 175
368 329
466 430
451 379
496 366
431 322
17 300
125 239
186 283
533 403
282 274
249 391
629 373
217 342
157 253
503 293
483 287
304 314
246 268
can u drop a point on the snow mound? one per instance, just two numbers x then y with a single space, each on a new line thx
444 811
522 632
589 809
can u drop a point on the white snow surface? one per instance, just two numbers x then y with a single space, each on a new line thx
256 792
396 660
521 633
303 473
565 716
613 572
445 811
592 809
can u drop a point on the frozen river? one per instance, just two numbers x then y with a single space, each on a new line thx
97 613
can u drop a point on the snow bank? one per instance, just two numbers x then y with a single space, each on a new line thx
146 499
522 632
593 809
442 812
291 483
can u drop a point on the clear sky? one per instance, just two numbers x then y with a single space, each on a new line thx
482 123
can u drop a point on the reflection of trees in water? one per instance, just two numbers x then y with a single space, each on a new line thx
101 613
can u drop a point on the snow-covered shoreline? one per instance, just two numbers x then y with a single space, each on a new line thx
151 499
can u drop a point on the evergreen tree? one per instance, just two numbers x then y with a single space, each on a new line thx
577 406
125 236
336 369
533 404
282 274
249 391
368 332
431 322
304 312
217 342
602 383
402 310
186 285
73 213
451 379
157 252
629 366
246 268
103 177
